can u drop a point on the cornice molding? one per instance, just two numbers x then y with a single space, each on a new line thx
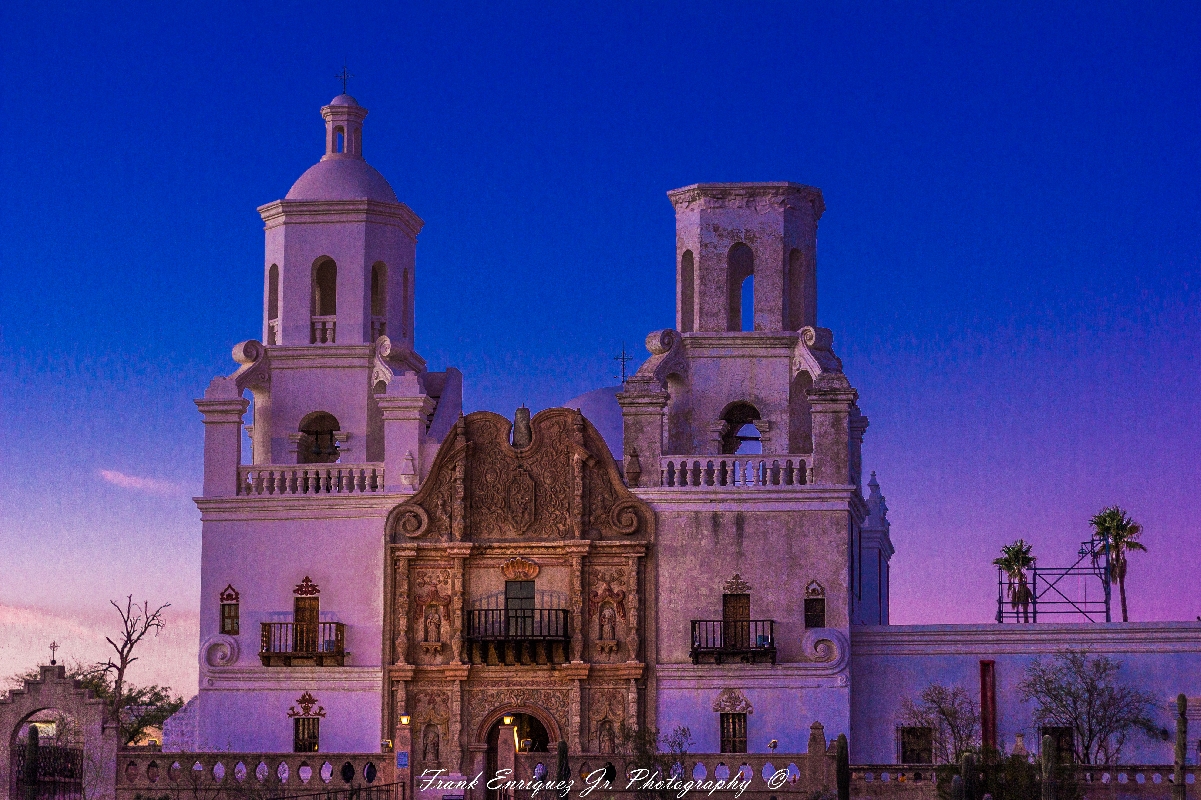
1118 638
291 678
324 212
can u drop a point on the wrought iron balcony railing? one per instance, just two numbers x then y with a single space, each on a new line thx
748 640
295 644
517 636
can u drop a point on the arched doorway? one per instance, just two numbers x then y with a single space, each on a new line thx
75 754
46 757
530 737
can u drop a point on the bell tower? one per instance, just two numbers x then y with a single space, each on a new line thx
340 248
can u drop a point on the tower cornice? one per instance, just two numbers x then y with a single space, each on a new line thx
303 212
774 194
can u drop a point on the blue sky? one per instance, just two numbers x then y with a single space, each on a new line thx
1010 258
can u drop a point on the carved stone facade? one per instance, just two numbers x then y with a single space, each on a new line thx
517 573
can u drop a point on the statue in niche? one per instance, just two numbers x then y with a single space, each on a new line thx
433 623
608 622
430 744
605 738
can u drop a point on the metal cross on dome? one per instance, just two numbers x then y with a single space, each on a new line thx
344 76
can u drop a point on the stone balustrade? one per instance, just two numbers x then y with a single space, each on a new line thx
780 773
1094 783
310 479
736 472
150 774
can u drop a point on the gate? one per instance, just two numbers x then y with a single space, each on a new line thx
55 774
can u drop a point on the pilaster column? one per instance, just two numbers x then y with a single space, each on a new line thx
632 627
574 705
831 400
459 553
857 427
456 726
400 612
643 409
405 409
223 407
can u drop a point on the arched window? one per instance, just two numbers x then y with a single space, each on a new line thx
339 139
325 301
230 623
739 434
687 293
740 266
273 304
379 300
318 439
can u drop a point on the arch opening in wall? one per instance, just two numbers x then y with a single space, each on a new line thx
318 443
339 139
687 293
273 304
739 433
740 267
800 414
325 301
379 300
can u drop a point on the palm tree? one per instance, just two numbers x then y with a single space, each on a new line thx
1014 561
1115 527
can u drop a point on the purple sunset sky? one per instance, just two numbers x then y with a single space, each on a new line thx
1010 258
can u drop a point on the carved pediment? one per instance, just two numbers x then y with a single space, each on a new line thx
563 485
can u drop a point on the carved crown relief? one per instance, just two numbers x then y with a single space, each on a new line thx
732 701
519 569
564 485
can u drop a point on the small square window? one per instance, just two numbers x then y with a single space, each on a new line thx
815 612
306 734
733 733
917 745
229 619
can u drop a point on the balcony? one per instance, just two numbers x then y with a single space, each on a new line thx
750 641
324 329
496 636
300 644
736 472
310 479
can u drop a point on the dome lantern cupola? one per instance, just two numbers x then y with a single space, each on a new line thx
343 128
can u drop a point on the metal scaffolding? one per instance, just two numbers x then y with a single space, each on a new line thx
1053 596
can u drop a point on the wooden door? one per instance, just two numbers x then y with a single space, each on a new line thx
736 621
307 612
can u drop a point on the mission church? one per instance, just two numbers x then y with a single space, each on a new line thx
382 573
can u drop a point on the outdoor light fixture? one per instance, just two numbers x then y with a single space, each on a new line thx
404 719
508 719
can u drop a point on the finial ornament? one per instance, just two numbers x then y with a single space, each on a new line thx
53 651
344 76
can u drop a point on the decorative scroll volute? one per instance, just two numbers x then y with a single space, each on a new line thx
563 485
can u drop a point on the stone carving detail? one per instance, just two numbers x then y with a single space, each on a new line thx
736 585
827 646
229 594
220 651
606 606
308 707
380 371
400 622
553 701
306 588
563 485
519 569
732 701
431 724
814 589
606 715
432 594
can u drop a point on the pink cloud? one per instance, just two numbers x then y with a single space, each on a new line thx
151 485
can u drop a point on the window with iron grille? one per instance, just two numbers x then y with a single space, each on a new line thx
229 618
815 612
733 733
306 734
916 745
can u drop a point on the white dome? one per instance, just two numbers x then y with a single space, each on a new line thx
342 178
601 409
